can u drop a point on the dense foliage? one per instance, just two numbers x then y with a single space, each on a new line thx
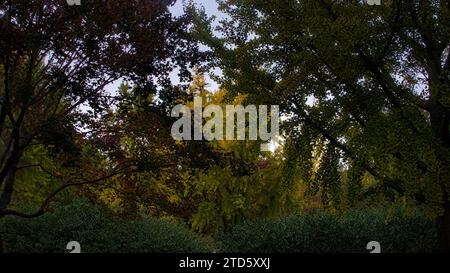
56 62
320 232
97 232
365 90
364 95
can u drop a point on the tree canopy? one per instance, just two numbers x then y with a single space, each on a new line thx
57 61
363 92
366 87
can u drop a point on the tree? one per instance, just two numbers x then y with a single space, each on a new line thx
244 183
138 129
56 61
370 81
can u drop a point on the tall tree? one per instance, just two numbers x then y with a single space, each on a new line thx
56 61
244 184
371 81
138 129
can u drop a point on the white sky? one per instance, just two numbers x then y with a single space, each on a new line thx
211 8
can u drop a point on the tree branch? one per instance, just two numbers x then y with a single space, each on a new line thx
42 209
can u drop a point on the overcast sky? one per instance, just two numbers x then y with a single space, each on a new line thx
211 8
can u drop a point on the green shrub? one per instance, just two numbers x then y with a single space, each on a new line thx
401 234
96 232
319 232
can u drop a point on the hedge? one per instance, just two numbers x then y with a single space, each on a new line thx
320 232
316 232
97 232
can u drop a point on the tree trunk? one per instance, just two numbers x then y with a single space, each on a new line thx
1 244
443 230
440 122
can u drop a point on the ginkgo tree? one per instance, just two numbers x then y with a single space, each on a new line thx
244 184
370 82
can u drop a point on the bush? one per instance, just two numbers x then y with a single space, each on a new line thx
96 232
319 232
401 234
